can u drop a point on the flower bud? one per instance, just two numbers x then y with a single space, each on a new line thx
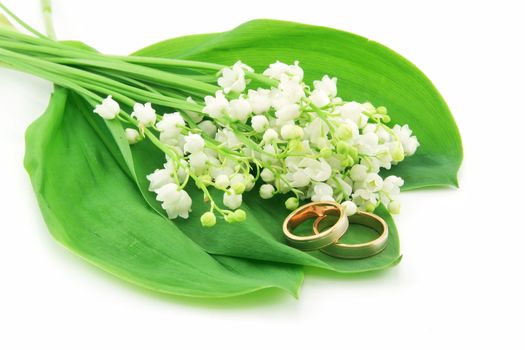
208 219
266 191
325 152
291 131
232 200
205 178
259 123
270 135
249 182
370 207
267 175
397 152
343 148
229 218
295 146
288 112
238 187
354 153
349 207
222 181
208 127
394 207
381 110
344 132
132 135
291 203
194 143
347 162
239 215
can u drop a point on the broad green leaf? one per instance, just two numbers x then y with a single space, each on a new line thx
366 71
93 205
259 237
94 208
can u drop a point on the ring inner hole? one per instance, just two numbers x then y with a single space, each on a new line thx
356 233
305 228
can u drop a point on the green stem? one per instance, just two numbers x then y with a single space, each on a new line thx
65 50
22 23
47 12
89 79
262 79
169 62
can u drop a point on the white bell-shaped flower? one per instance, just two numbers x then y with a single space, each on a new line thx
194 143
216 106
394 207
259 123
227 137
132 135
349 207
196 117
266 191
292 89
145 114
365 199
198 162
373 182
269 136
278 69
169 127
327 85
317 169
316 132
260 100
299 178
108 109
319 98
322 192
233 79
208 127
267 175
240 109
367 143
171 121
159 178
392 184
222 181
231 199
181 170
410 143
383 156
287 113
291 131
175 201
353 111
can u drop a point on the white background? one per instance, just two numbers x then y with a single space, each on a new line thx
461 282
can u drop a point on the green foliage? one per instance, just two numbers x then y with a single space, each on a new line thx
93 193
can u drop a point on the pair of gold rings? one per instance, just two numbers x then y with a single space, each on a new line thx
334 223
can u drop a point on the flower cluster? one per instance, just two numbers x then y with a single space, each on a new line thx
299 140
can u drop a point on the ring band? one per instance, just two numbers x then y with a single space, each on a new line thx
318 239
360 250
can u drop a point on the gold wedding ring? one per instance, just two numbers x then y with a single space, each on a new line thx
360 250
316 240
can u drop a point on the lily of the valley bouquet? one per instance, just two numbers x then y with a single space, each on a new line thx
177 174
